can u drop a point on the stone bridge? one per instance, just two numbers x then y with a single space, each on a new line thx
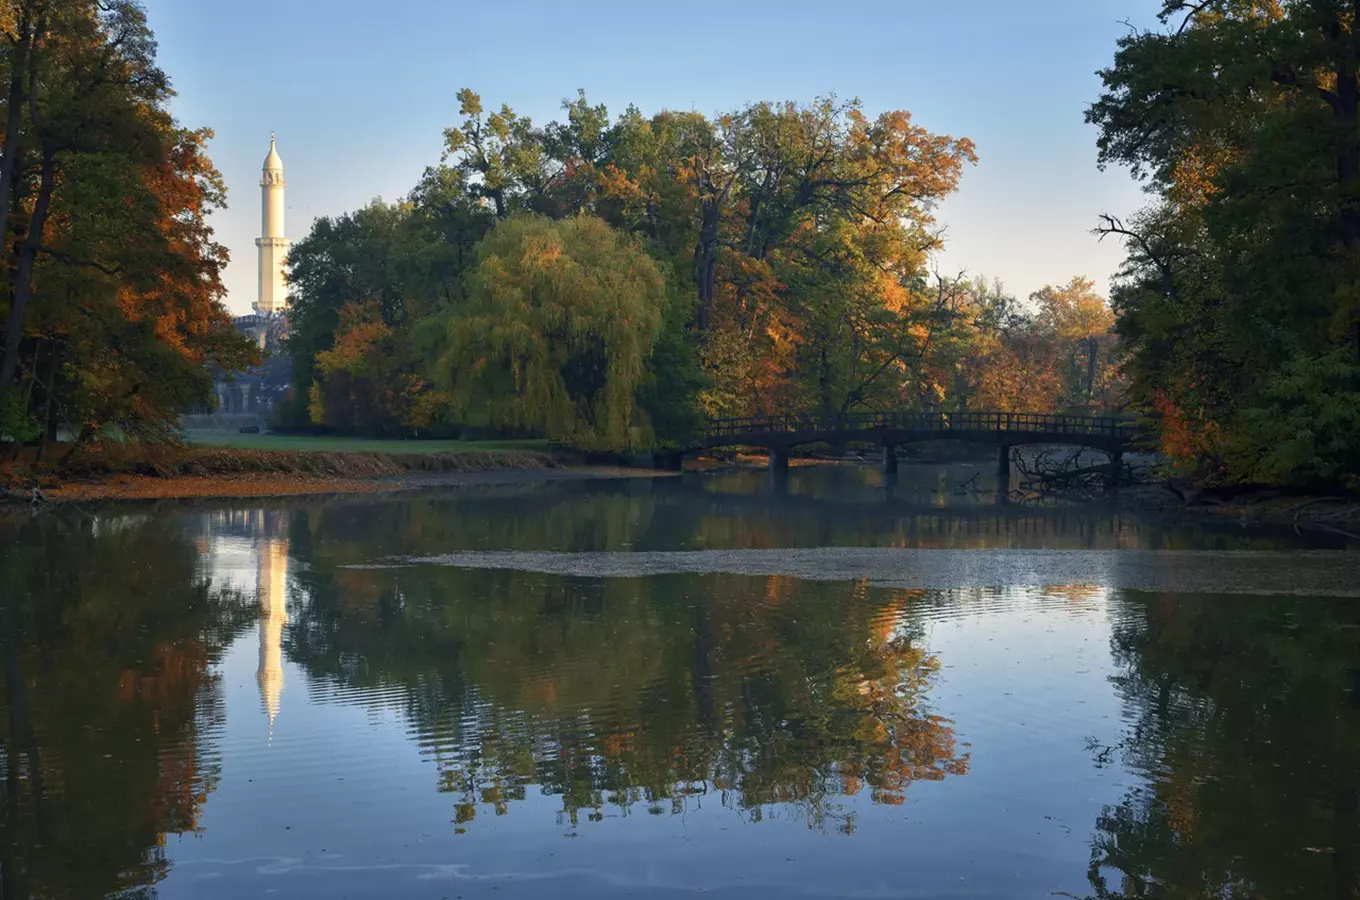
777 435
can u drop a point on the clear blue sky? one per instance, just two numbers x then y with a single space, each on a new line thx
360 92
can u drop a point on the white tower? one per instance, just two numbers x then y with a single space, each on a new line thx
273 245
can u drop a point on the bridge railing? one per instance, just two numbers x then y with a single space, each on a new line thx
944 422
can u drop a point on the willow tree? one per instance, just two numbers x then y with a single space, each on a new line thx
556 332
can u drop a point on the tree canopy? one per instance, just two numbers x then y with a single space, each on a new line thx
1239 303
792 249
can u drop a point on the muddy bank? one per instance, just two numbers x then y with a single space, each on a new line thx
149 473
1340 514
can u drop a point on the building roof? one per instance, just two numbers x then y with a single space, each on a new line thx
272 163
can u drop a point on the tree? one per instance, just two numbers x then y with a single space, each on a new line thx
1078 322
794 241
1240 301
556 332
392 266
342 264
114 309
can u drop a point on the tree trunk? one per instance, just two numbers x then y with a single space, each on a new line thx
23 285
706 260
49 428
1345 116
1092 348
76 443
18 77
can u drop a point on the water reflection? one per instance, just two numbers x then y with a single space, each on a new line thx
640 694
446 728
110 704
1244 724
271 587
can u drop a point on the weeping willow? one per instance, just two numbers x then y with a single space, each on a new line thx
556 332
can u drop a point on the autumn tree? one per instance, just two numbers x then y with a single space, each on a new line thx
1239 303
114 310
1079 325
358 286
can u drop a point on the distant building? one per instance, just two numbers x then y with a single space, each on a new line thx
258 391
249 398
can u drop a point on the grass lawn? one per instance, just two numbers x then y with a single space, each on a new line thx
305 442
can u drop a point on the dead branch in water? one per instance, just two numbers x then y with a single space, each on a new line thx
1059 470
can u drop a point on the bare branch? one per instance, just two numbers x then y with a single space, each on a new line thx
1112 225
77 261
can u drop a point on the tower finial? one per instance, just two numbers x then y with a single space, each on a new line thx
271 138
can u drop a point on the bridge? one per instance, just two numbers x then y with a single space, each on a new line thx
777 435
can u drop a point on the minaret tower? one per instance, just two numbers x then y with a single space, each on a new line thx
273 245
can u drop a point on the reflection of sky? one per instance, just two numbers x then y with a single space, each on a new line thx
341 799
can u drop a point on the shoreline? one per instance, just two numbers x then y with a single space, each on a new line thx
115 473
133 487
227 474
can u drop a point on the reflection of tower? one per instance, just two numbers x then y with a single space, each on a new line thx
271 582
273 245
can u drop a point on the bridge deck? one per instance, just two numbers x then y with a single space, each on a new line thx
999 428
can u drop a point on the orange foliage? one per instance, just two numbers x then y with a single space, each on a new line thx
1185 434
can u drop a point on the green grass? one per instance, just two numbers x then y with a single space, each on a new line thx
303 442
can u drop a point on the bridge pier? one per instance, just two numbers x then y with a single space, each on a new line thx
1003 468
889 459
779 461
1116 465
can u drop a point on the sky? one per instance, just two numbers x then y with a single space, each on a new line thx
360 93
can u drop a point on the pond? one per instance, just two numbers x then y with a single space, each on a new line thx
709 685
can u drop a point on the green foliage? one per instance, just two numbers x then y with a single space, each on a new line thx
1239 305
360 286
17 425
1309 419
556 332
674 377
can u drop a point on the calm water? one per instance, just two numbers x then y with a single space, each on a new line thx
625 688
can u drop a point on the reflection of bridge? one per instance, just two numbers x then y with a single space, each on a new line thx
779 434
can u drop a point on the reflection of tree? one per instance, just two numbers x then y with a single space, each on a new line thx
652 694
1246 724
107 634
